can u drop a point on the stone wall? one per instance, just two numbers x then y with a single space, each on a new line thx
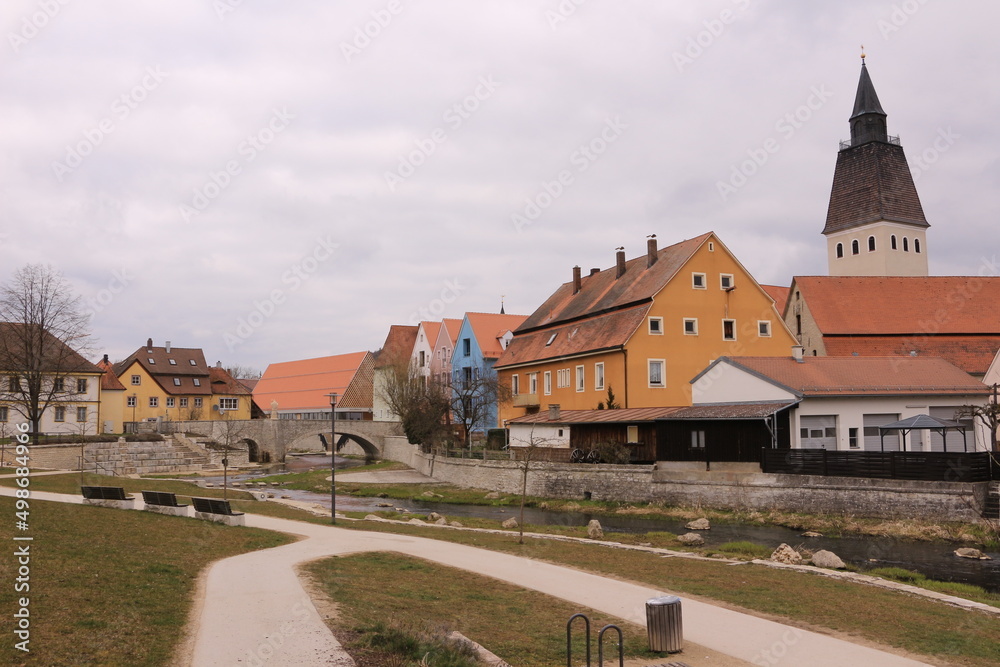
726 489
53 457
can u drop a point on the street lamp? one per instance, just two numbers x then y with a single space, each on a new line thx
333 457
225 455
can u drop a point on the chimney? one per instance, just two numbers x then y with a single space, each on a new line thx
106 359
577 283
595 271
168 347
553 412
218 364
797 352
651 251
620 261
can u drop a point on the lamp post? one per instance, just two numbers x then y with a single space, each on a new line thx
333 457
225 456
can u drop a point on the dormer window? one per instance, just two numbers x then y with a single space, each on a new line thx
172 362
197 382
152 360
551 338
177 382
192 362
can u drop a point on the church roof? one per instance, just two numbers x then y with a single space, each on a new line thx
866 100
872 182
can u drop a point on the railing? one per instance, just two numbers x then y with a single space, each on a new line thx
868 137
918 466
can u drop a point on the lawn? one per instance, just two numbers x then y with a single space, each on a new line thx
111 587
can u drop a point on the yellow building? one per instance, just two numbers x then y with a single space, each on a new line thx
175 384
643 328
112 399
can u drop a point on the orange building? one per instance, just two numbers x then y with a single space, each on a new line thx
641 329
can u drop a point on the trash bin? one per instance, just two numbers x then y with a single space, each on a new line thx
663 624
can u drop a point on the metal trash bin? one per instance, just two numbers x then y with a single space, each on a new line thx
663 624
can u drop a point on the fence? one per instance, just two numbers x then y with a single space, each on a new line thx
919 466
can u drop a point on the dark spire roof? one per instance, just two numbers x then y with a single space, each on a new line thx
866 100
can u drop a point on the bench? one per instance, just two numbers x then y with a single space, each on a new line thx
107 496
218 510
162 502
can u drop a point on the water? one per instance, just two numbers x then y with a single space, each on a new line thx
933 559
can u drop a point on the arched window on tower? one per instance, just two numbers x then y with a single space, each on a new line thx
871 244
906 244
840 250
916 245
892 241
855 247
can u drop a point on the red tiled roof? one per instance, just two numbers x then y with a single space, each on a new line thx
398 345
630 415
57 355
862 305
488 327
836 376
304 384
973 354
224 383
360 393
109 381
603 291
452 326
176 372
602 332
872 182
431 331
248 383
779 294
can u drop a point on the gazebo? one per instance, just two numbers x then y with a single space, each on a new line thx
923 423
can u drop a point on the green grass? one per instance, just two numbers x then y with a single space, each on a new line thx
523 627
747 550
919 625
110 587
70 483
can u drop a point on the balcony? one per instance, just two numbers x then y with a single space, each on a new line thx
526 401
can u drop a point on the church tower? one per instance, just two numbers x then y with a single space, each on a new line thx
875 225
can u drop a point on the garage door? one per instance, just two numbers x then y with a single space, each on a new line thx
818 432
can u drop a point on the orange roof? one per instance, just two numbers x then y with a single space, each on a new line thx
779 294
861 305
452 326
604 291
304 384
398 345
863 376
602 332
224 383
488 327
360 393
973 354
109 381
431 330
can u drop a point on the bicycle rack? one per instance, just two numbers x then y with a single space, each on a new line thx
600 641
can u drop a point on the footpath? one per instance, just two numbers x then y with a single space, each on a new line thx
252 609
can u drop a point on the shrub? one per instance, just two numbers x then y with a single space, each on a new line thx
612 452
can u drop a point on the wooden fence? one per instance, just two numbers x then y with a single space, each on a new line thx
920 466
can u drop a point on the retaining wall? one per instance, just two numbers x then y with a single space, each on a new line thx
726 489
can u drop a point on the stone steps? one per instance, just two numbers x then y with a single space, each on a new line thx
991 510
132 458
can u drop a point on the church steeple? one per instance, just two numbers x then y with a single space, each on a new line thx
868 118
875 225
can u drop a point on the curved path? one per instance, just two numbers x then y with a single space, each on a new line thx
254 610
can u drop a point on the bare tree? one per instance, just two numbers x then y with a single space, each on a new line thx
241 372
988 414
475 396
43 330
421 405
232 432
525 456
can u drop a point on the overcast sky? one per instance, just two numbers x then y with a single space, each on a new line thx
281 180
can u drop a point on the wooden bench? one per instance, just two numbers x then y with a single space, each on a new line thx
216 509
107 496
162 502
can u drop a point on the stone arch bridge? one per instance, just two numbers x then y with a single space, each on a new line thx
272 439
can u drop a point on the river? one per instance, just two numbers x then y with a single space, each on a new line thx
933 559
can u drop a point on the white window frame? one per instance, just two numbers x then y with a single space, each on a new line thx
728 319
532 383
183 402
599 376
177 382
547 382
764 328
81 385
170 401
684 323
81 411
656 330
581 378
198 402
663 373
197 382
697 278
229 403
60 415
131 402
154 401
515 384
136 380
722 281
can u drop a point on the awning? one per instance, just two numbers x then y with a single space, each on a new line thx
923 423
730 411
